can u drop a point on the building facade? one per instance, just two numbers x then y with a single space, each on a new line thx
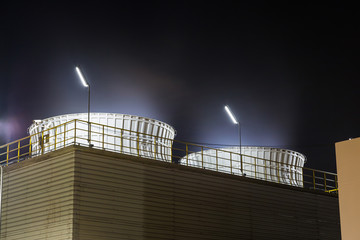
83 193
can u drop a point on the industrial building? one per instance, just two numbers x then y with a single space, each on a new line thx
125 177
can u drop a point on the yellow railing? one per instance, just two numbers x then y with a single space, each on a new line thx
320 180
77 132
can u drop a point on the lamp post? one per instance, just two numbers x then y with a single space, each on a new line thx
236 122
87 85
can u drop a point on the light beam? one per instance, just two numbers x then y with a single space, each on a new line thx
231 115
82 79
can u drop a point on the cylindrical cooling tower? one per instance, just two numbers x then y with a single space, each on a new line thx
265 163
122 133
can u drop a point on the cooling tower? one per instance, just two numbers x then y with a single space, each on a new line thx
122 133
265 163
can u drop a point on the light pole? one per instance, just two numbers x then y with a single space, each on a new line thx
87 85
233 119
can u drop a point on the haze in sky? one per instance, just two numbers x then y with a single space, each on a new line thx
288 71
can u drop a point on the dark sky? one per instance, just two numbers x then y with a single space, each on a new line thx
289 72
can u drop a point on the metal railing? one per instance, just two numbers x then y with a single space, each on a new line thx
320 180
75 132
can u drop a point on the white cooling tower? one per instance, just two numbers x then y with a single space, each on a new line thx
265 163
123 133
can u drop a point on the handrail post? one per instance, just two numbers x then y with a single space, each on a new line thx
121 140
187 154
18 152
172 156
7 154
155 147
202 157
313 178
255 159
278 171
103 136
303 183
30 147
137 143
217 161
242 165
325 181
292 181
266 169
231 163
42 142
55 136
336 182
64 134
89 135
75 132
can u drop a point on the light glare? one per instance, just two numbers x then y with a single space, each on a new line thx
231 115
81 77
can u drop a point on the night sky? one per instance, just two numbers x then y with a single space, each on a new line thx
289 72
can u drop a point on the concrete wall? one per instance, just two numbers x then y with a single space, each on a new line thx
348 165
122 197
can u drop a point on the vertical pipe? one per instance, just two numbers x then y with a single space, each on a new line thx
325 181
231 163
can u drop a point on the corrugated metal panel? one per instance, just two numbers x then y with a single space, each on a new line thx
81 193
125 198
38 198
